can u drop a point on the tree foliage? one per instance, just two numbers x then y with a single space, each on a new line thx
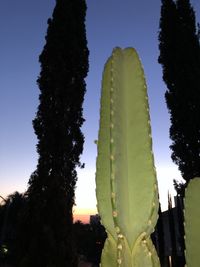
64 66
89 241
10 223
180 59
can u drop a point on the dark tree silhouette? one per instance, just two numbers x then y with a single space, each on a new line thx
89 240
10 221
180 59
64 66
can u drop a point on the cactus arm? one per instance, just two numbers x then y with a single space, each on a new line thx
192 223
126 185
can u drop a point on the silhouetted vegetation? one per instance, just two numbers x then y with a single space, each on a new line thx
180 59
50 197
89 240
11 214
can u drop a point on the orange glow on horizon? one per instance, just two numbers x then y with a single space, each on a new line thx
83 215
84 218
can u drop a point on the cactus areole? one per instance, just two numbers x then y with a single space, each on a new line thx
126 185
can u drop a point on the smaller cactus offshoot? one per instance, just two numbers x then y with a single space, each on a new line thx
192 223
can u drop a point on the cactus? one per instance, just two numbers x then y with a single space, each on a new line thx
126 185
192 223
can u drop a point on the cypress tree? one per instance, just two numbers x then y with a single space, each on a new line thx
180 59
50 195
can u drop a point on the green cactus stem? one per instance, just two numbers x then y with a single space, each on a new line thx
126 185
192 223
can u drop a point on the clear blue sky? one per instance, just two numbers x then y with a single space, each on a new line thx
110 23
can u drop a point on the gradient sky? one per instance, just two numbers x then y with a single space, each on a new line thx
110 23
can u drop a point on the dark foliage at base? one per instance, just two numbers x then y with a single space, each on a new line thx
89 240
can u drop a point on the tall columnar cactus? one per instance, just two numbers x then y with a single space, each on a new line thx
192 223
126 185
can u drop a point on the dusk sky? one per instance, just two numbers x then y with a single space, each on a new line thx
109 23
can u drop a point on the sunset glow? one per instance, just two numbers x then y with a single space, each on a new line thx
83 215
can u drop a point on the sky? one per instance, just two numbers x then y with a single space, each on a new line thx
109 23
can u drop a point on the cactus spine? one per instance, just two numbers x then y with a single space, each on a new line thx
126 185
192 223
